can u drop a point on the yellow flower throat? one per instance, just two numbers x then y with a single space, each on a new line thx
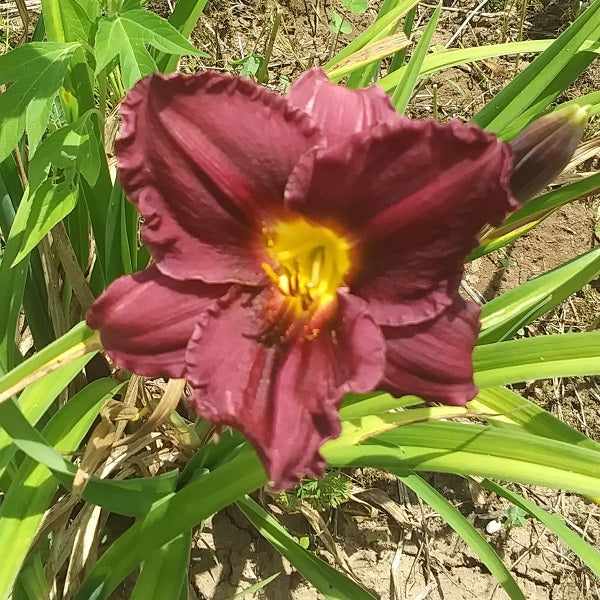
310 264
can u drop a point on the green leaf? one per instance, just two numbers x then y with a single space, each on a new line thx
127 35
371 404
542 73
164 572
561 355
11 291
468 449
73 148
467 532
504 315
79 19
76 343
36 71
356 7
531 114
533 212
37 398
513 410
404 90
438 61
259 585
30 494
49 204
339 25
381 28
330 582
33 580
170 517
515 516
588 554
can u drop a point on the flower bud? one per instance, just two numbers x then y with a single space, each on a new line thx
543 149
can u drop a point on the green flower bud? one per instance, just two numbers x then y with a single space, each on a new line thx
543 149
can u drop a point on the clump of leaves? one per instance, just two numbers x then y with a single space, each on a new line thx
516 517
329 492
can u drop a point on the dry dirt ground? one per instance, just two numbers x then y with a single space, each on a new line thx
390 542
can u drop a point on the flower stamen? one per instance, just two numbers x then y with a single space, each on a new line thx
309 264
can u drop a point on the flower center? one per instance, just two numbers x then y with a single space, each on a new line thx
310 263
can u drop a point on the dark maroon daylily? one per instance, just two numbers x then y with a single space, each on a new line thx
304 247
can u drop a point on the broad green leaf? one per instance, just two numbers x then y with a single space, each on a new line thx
468 449
73 148
562 355
79 19
525 89
358 430
46 206
170 517
330 582
28 498
356 7
127 35
67 154
592 100
404 89
35 298
588 553
504 315
36 71
512 410
32 580
467 532
339 25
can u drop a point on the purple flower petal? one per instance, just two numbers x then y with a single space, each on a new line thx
285 399
338 111
414 197
434 359
146 320
205 157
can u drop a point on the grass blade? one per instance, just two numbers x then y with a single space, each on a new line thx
330 582
78 342
504 315
404 89
468 449
31 493
524 90
514 410
561 355
164 573
170 517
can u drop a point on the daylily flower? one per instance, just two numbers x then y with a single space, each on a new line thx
304 247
